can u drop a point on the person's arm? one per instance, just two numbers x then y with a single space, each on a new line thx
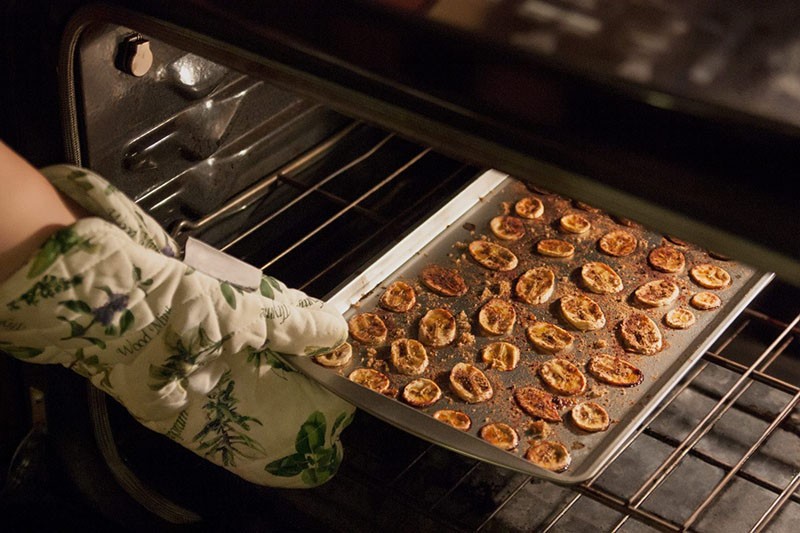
31 209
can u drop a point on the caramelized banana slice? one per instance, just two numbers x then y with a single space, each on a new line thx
666 259
409 357
600 278
640 334
614 371
550 455
497 317
493 256
618 243
710 276
538 403
367 328
470 384
454 418
444 281
398 297
421 392
501 435
705 300
657 293
555 248
371 379
582 312
679 318
336 358
501 355
507 228
548 337
575 223
590 416
536 285
437 328
529 207
563 377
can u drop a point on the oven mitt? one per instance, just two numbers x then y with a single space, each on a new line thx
189 356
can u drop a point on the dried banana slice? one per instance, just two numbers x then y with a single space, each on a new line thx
640 334
548 337
705 301
470 384
614 371
371 379
575 223
529 207
409 357
368 328
590 416
710 276
437 328
538 403
501 355
421 392
501 435
600 278
444 281
454 418
398 297
618 243
679 318
497 317
550 455
507 228
536 285
336 358
563 377
493 256
666 259
555 248
657 293
582 312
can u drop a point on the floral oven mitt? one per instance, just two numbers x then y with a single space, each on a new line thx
189 356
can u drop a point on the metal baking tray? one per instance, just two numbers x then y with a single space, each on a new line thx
442 240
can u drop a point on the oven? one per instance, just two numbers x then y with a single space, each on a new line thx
308 140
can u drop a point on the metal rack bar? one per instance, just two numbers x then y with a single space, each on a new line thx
778 504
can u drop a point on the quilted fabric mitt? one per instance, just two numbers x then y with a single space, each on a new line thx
188 355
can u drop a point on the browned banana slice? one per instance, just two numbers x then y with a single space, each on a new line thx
367 328
555 248
618 243
575 223
421 392
493 256
538 403
409 357
600 278
398 297
550 455
470 384
371 379
507 228
501 435
657 293
497 317
501 355
710 276
614 371
529 207
590 416
444 281
454 418
582 312
666 259
336 358
705 300
679 318
563 377
536 285
548 337
640 334
676 240
437 328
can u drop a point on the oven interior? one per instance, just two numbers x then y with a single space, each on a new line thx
311 196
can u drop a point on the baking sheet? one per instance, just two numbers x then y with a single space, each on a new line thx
442 240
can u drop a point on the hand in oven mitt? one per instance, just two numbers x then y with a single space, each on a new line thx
188 355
